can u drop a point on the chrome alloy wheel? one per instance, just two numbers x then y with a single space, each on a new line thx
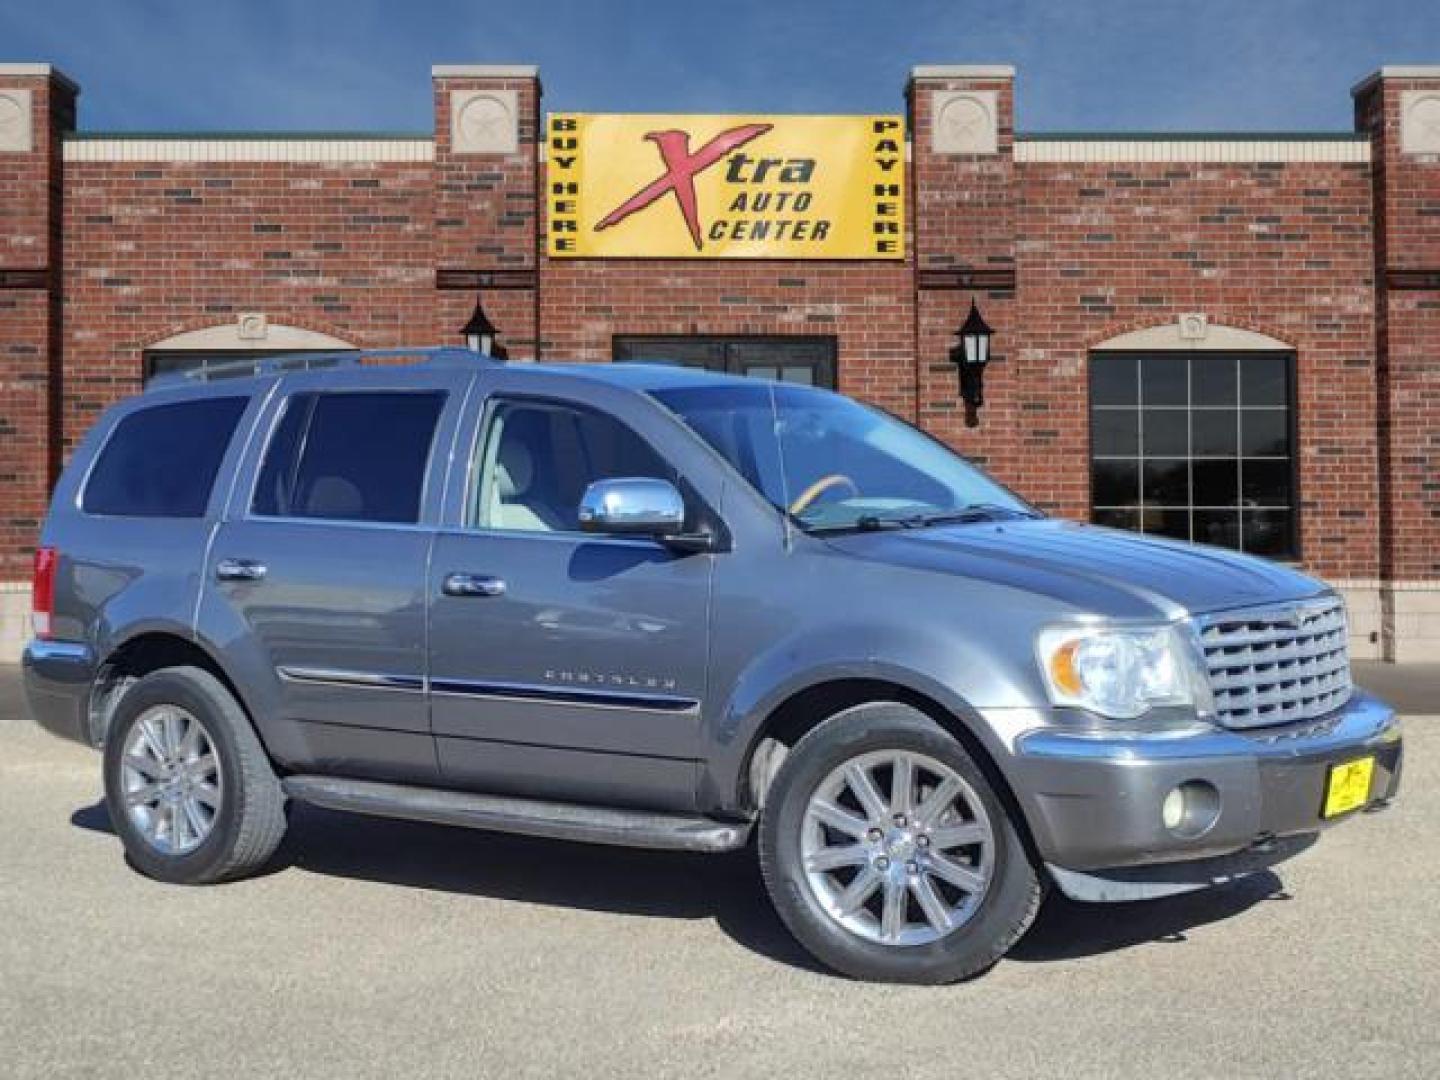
170 776
897 847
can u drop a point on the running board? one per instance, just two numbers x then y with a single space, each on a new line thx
529 817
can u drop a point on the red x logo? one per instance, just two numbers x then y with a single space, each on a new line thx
681 168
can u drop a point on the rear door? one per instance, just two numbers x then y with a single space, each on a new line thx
320 568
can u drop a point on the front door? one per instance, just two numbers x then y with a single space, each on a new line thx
564 664
319 572
809 361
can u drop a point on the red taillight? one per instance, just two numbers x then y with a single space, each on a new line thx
42 596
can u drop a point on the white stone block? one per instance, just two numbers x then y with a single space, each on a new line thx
484 122
1420 121
17 128
965 122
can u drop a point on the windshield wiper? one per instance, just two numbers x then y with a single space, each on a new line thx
972 512
864 523
966 514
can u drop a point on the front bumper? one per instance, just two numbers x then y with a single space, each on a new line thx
58 678
1093 800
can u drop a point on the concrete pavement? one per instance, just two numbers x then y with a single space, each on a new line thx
381 949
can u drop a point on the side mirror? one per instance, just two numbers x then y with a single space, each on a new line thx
633 506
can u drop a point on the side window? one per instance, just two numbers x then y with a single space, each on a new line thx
162 461
537 459
358 456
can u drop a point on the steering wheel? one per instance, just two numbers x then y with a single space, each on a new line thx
819 487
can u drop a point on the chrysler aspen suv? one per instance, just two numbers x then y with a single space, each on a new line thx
647 605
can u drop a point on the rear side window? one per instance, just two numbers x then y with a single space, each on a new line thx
350 457
162 461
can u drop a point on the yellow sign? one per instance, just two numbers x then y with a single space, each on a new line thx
1348 787
727 187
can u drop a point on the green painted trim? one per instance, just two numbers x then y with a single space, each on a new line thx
250 136
1191 136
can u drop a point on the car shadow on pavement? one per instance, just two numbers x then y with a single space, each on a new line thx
676 885
1066 930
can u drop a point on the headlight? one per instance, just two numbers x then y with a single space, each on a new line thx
1122 674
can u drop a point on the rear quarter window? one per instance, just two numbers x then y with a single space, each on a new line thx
162 461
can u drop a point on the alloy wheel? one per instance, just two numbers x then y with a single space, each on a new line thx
897 848
170 777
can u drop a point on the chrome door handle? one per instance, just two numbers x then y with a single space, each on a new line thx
239 570
472 585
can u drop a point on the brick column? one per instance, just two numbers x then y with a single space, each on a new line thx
37 105
486 205
963 208
1400 108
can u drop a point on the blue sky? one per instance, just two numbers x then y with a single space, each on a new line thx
364 64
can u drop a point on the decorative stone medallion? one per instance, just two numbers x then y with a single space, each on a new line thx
1194 326
484 122
1420 121
16 135
252 326
965 122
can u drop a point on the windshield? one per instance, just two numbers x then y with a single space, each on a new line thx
833 464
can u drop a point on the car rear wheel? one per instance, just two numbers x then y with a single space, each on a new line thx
888 853
189 788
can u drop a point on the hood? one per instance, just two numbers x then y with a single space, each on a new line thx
1099 571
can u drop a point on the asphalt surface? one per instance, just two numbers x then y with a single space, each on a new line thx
386 949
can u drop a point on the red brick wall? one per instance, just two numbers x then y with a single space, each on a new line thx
30 196
1407 205
1060 256
486 214
158 248
1280 249
1101 249
866 306
965 231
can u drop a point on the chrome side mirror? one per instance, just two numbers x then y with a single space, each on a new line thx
633 506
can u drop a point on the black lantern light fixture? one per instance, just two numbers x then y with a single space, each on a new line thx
481 334
970 356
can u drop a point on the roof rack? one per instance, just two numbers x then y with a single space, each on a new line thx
429 355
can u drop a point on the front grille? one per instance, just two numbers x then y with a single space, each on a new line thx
1277 664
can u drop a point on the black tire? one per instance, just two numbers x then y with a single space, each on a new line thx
250 821
1007 907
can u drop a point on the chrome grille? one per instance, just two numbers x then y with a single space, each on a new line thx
1277 664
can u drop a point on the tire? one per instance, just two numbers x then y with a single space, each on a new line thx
224 814
954 933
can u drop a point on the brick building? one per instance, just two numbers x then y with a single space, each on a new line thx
1230 338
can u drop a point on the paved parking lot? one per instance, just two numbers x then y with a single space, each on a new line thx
386 949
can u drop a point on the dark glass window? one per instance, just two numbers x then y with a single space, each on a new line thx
538 458
230 361
162 461
807 361
350 457
1195 446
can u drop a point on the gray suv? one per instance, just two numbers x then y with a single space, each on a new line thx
653 606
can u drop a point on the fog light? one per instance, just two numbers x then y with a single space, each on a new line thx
1172 811
1190 808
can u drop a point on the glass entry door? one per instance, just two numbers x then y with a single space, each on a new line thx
809 361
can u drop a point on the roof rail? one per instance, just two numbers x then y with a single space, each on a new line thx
254 367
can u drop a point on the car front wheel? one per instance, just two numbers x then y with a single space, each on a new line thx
888 853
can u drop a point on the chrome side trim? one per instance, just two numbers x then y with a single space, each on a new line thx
563 696
40 650
1363 721
371 680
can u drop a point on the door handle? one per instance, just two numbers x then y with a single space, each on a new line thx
239 570
472 585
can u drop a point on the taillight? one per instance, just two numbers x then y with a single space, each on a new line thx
42 596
